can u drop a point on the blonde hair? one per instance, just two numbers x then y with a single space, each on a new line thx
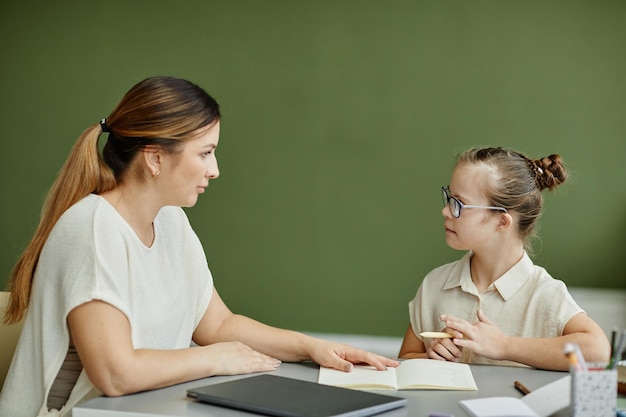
517 183
161 111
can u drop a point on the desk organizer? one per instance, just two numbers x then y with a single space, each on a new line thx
594 392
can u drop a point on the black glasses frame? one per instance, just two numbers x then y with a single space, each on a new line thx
456 205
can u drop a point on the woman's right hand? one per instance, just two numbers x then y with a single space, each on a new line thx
102 336
233 358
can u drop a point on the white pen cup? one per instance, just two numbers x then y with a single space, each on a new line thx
593 391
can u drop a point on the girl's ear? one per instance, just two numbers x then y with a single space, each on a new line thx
506 221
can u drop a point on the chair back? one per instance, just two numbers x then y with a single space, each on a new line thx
9 334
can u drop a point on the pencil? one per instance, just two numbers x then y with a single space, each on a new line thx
617 354
576 361
521 388
437 335
613 347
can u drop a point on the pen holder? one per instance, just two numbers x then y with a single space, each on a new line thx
594 392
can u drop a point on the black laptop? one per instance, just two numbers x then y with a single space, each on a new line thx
287 397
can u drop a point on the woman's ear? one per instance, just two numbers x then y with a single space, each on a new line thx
152 158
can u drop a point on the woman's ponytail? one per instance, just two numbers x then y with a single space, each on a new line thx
83 173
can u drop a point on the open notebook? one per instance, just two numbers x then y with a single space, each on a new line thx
541 402
411 374
286 397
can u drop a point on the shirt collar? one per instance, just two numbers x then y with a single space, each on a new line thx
507 285
460 274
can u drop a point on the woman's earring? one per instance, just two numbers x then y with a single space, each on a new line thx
156 174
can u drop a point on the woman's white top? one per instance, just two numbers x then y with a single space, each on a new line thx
92 253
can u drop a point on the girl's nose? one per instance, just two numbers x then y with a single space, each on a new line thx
445 211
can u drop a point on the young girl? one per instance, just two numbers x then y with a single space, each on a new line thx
499 307
114 286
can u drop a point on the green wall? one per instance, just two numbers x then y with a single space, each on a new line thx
341 120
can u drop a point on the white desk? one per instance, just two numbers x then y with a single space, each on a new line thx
173 402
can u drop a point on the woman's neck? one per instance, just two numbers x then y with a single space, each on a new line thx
136 208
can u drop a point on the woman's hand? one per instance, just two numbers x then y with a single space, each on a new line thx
220 325
343 357
234 358
103 338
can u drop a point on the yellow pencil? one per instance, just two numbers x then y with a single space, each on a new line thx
437 335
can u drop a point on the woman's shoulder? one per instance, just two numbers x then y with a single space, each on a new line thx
81 213
75 236
91 221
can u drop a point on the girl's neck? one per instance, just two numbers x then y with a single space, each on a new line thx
485 268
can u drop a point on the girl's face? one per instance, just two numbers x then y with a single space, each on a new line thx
476 227
187 174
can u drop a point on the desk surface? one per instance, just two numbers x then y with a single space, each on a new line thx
173 402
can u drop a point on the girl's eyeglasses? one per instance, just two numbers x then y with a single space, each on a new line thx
456 206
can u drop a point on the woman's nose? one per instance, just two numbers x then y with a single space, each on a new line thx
213 171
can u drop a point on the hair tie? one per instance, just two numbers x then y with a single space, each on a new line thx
105 127
535 169
535 173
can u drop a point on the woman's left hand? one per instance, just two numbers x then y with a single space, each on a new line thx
482 337
343 356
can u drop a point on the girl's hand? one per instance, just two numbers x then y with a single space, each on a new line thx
482 336
444 348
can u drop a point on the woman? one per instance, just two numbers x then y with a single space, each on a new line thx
499 307
114 285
